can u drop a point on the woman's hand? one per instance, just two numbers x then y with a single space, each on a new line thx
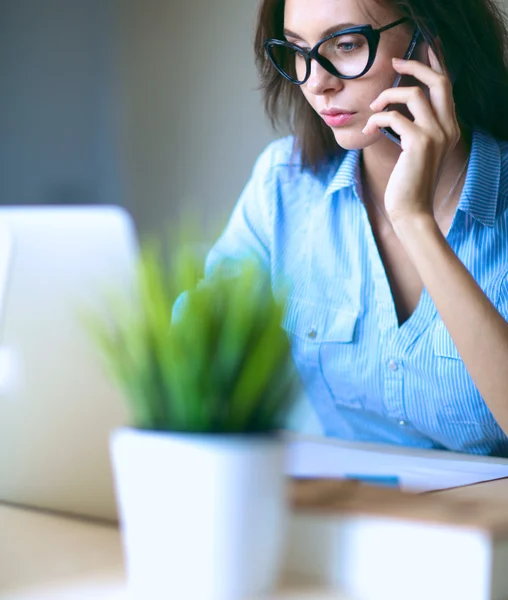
426 142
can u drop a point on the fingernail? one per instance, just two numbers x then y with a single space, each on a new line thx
398 61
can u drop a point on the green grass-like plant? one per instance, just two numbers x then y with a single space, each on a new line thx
219 364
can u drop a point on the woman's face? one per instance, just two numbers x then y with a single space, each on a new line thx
307 22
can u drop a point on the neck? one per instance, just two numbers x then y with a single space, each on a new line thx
379 160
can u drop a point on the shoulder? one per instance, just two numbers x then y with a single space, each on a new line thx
503 179
503 149
281 163
279 154
489 166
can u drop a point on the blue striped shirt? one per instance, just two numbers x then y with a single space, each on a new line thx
368 378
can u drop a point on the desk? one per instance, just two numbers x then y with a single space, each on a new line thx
49 557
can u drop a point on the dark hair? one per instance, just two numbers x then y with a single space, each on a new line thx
473 43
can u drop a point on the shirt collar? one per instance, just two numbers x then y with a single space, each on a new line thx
348 173
481 188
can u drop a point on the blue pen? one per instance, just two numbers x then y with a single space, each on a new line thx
382 480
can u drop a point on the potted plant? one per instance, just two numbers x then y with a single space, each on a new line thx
200 474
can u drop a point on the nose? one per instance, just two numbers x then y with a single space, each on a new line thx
320 81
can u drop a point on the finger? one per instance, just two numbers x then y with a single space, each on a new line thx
423 73
413 97
393 119
435 65
440 89
436 60
452 126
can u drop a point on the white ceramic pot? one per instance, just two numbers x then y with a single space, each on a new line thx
203 516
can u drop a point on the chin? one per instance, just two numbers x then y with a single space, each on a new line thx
354 139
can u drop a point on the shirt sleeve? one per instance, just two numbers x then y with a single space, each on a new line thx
248 233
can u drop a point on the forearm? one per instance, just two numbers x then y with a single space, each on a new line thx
479 332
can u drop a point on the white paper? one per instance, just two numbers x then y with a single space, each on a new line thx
8 360
417 470
5 262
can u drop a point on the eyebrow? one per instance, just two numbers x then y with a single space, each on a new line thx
332 29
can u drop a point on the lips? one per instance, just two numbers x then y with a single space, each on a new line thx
334 112
336 117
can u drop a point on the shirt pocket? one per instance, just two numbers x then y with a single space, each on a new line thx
457 399
323 343
444 346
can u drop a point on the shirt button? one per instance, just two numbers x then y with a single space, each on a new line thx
312 334
392 365
402 423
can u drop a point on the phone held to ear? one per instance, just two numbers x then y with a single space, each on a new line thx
418 50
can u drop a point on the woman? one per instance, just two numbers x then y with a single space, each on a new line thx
396 256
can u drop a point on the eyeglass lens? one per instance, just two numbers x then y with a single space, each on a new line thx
348 53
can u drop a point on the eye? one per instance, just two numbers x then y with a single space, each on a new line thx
292 52
349 44
347 47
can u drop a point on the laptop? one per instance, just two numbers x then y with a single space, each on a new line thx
57 404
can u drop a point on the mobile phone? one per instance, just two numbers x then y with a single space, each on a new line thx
418 50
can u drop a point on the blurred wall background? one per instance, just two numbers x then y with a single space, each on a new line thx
147 103
194 121
57 106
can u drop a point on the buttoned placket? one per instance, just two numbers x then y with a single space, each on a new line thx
395 341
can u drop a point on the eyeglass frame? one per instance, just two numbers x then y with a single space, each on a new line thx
372 36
